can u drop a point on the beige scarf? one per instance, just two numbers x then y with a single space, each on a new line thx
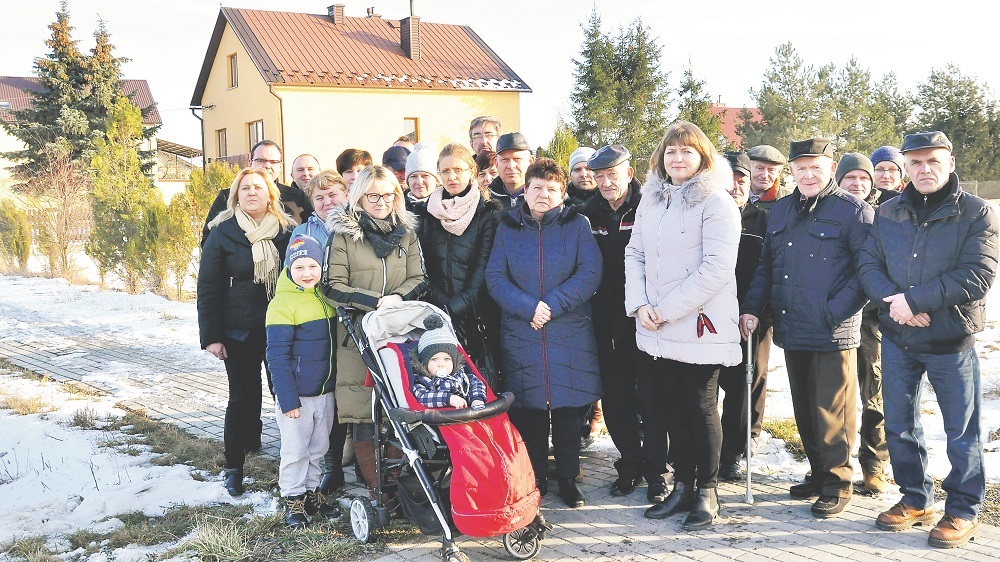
456 213
265 254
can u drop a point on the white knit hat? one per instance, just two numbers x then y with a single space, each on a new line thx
422 159
581 154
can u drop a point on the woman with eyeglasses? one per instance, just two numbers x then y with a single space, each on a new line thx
457 226
372 260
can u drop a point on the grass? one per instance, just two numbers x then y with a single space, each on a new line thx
786 430
84 418
25 405
29 549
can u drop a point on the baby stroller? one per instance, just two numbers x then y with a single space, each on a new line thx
461 469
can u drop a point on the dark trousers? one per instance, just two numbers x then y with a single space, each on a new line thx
533 425
873 451
824 386
733 381
686 398
622 404
244 367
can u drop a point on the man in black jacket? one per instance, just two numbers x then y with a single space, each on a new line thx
611 218
266 155
732 380
808 279
929 263
513 158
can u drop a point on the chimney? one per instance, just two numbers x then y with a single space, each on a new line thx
371 13
336 13
409 36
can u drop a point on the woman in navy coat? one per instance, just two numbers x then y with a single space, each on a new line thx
544 268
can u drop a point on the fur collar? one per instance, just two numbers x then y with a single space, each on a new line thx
343 220
693 191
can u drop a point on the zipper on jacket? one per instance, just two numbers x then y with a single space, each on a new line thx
331 339
541 290
385 276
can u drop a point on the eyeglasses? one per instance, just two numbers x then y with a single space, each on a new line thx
477 136
893 171
453 171
265 162
374 197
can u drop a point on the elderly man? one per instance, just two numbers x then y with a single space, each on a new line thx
266 155
513 158
808 280
483 133
766 163
732 380
611 217
888 166
582 186
304 168
930 260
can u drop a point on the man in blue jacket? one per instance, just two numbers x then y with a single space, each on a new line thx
807 277
929 263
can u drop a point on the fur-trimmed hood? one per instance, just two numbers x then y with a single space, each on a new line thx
693 191
345 220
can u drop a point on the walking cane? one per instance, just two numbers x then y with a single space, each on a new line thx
750 373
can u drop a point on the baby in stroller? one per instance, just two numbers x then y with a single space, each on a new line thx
439 377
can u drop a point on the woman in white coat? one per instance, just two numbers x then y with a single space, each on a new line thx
680 284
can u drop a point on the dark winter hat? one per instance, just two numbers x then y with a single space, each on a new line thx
887 154
304 246
810 147
395 158
608 157
767 153
928 139
739 162
512 141
854 161
436 339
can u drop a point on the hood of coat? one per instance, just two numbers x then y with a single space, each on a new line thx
519 217
694 190
286 285
343 220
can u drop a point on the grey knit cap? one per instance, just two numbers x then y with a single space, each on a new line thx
436 339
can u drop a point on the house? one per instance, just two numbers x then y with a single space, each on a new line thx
15 94
730 117
342 82
174 163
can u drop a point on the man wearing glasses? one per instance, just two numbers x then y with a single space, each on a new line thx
266 155
483 133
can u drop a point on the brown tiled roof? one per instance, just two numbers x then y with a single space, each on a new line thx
731 120
163 145
15 89
361 52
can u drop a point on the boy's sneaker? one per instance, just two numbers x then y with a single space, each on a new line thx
295 512
315 503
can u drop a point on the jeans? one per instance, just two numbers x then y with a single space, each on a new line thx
955 380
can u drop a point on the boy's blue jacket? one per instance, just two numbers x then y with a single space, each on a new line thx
299 343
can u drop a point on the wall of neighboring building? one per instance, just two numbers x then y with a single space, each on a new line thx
325 121
7 144
236 107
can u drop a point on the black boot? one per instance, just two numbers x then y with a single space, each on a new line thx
543 486
295 512
705 510
234 481
332 477
315 503
570 492
680 499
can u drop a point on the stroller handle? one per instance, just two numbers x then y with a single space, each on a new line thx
454 416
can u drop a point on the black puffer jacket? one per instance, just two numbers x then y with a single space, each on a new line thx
228 299
807 273
753 220
944 266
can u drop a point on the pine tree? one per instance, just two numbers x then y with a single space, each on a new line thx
695 105
594 96
562 145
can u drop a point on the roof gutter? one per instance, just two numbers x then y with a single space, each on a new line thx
204 159
281 122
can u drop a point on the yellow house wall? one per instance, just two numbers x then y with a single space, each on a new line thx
235 107
325 121
8 143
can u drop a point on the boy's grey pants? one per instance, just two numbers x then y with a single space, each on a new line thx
304 441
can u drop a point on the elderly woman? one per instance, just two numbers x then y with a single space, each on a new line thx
544 268
680 284
373 260
239 269
457 227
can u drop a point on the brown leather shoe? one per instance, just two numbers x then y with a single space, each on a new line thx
874 480
952 531
902 516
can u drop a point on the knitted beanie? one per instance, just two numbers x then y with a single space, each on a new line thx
436 339
581 154
422 159
887 153
854 161
304 246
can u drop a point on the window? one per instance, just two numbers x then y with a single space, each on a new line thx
220 142
411 128
256 131
233 72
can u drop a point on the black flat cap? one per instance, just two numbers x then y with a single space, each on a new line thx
767 153
512 141
739 162
928 139
810 147
608 157
395 158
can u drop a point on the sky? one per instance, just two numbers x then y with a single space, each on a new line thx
726 43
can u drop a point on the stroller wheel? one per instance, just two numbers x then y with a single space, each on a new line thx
522 544
363 520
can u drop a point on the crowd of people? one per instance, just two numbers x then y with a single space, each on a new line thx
595 297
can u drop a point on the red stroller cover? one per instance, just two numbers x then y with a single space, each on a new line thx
493 488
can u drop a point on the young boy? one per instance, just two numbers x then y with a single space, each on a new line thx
439 378
299 341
